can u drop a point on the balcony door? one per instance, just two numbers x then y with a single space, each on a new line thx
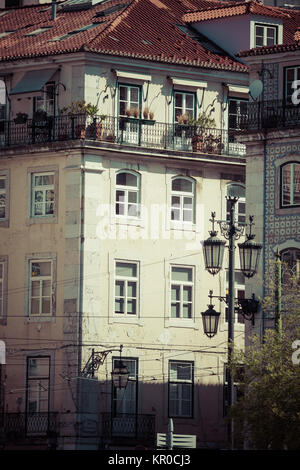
37 403
124 405
129 113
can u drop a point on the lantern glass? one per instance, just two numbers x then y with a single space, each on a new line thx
210 320
213 251
120 375
249 257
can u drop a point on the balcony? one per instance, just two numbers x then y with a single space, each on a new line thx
130 429
270 115
124 131
19 426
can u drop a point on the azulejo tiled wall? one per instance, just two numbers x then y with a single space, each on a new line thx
270 78
279 228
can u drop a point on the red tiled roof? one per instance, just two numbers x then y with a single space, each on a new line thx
234 9
143 29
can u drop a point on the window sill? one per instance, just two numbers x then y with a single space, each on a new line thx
132 221
181 323
288 210
126 320
42 220
39 318
183 226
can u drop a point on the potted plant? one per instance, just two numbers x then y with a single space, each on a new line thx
136 113
80 110
40 116
21 118
146 113
200 124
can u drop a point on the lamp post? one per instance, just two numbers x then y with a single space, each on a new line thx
213 251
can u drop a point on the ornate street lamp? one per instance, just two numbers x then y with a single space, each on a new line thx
249 253
210 319
213 250
120 373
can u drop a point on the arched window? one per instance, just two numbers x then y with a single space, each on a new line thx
237 190
290 184
128 194
182 200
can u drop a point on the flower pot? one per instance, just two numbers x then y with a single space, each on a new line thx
197 143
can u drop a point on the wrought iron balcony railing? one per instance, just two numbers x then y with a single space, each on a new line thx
134 426
121 130
270 115
22 425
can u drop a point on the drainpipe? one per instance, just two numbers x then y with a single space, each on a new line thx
53 10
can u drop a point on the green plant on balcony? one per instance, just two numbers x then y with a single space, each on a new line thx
21 118
201 125
82 110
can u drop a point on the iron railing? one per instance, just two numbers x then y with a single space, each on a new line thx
22 425
121 130
134 426
270 115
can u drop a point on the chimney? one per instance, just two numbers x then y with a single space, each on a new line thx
53 10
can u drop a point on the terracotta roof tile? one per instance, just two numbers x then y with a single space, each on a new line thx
234 9
145 29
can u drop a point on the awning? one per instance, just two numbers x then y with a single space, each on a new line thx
33 81
233 89
185 82
133 75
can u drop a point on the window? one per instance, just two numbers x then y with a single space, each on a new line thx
290 184
41 287
3 288
182 200
238 190
184 103
129 99
127 194
181 384
237 113
182 286
42 199
265 35
290 264
126 288
3 196
291 74
46 102
38 381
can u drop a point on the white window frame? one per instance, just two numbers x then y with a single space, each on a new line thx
127 190
181 195
265 27
45 102
42 280
242 200
181 285
179 383
184 108
238 287
42 389
43 189
125 297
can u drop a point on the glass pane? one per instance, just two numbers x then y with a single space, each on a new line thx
131 306
45 268
119 306
182 274
46 306
175 201
187 216
39 196
296 183
119 288
2 205
175 293
131 289
189 102
2 183
120 209
48 179
120 196
132 196
126 269
178 100
35 307
175 310
187 293
133 210
134 95
286 184
46 289
180 184
126 179
49 195
187 310
123 93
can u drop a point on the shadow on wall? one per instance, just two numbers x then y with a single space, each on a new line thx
132 418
